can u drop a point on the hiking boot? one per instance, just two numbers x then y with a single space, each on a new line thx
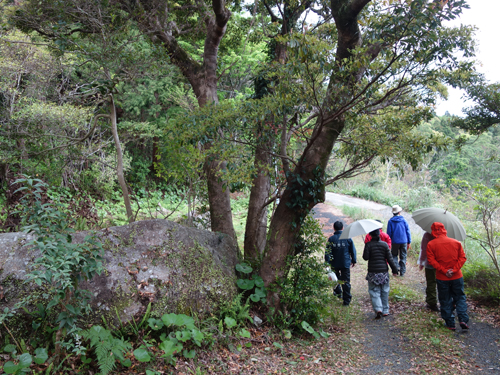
464 325
379 315
451 328
433 307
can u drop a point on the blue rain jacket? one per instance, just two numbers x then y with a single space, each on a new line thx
398 230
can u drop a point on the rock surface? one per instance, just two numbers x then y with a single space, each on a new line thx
176 268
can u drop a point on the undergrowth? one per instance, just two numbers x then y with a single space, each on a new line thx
482 282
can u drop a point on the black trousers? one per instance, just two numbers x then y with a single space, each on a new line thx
343 290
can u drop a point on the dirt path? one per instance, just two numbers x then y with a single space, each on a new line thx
412 339
378 210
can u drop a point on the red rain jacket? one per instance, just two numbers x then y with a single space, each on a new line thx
444 253
383 237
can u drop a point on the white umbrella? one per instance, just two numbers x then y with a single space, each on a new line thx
426 216
360 227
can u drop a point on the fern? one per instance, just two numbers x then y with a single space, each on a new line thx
236 309
106 347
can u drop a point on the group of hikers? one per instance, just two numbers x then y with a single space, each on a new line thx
441 256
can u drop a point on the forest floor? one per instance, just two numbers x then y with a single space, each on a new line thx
411 340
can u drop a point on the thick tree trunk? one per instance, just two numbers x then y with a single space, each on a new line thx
295 203
256 226
218 195
221 216
203 80
299 198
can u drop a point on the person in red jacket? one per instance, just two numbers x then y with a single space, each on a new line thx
383 237
447 256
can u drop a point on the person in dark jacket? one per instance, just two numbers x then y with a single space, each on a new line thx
341 255
399 231
378 255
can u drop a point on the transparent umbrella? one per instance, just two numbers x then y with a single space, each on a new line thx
360 227
426 216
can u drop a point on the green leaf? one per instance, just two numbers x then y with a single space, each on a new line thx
41 355
230 322
25 360
71 309
287 333
188 354
10 348
198 336
10 367
278 345
245 333
178 320
248 344
126 362
254 297
324 334
258 281
245 284
261 292
243 268
308 328
142 355
170 347
155 324
183 336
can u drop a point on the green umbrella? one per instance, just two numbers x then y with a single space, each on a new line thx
426 216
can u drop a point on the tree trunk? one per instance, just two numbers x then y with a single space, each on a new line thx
305 184
203 80
119 160
295 204
256 226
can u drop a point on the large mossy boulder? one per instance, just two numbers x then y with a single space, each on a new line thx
178 269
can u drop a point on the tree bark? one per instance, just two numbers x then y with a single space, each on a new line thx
305 184
203 80
256 226
287 220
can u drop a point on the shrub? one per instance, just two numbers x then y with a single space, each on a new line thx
373 194
419 198
62 264
306 291
482 282
356 213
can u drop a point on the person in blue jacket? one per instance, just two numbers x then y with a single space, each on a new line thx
399 231
341 255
